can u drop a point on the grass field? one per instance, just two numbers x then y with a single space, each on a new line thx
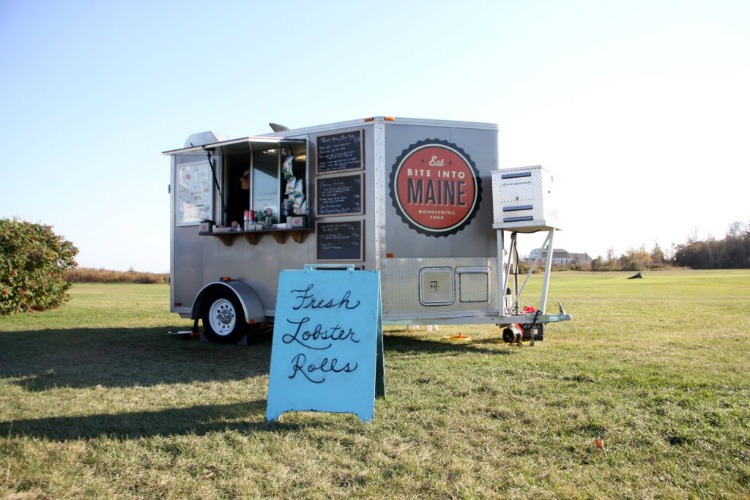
97 401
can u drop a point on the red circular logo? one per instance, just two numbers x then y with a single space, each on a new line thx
435 187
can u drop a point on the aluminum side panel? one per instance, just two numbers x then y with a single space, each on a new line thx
403 297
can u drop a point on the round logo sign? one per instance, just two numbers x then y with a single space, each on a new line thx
435 187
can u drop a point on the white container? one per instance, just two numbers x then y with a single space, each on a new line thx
523 199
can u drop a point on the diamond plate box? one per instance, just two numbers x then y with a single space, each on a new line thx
523 199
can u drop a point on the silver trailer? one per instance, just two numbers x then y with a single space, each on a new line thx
422 201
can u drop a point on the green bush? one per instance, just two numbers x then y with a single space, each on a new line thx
33 265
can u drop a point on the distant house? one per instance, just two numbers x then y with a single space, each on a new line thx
580 258
561 257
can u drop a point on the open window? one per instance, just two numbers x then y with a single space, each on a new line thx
265 175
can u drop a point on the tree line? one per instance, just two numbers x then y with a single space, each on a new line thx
731 252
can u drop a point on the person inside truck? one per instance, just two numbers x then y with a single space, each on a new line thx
240 201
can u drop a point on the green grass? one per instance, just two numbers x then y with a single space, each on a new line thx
96 400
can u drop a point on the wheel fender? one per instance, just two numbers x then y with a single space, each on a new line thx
252 307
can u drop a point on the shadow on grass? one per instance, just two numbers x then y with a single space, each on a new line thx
196 420
123 358
85 358
80 358
403 342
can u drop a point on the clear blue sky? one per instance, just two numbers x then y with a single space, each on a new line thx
640 108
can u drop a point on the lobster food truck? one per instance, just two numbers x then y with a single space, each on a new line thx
420 201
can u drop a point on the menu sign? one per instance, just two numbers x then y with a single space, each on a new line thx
339 152
340 240
327 352
340 195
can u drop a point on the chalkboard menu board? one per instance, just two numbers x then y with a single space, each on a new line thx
340 195
340 240
340 152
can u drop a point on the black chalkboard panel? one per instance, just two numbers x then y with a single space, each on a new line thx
340 240
339 195
339 152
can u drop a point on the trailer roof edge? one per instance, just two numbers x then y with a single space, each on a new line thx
387 120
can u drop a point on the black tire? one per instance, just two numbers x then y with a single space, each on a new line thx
223 318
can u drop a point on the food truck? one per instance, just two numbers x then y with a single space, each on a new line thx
421 201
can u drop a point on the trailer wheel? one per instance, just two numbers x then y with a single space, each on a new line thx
223 321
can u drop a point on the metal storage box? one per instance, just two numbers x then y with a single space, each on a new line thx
523 199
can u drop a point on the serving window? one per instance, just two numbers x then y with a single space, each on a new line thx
267 178
219 182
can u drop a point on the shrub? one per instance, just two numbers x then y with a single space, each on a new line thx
33 263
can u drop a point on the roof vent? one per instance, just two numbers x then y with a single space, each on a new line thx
278 128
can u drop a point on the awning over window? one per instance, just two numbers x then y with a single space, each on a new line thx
234 146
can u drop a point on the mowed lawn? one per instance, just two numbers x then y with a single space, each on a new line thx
97 400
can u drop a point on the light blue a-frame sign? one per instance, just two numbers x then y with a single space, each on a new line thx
327 350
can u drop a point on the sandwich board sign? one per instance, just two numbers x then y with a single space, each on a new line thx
327 351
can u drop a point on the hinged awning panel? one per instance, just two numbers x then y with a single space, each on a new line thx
245 144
